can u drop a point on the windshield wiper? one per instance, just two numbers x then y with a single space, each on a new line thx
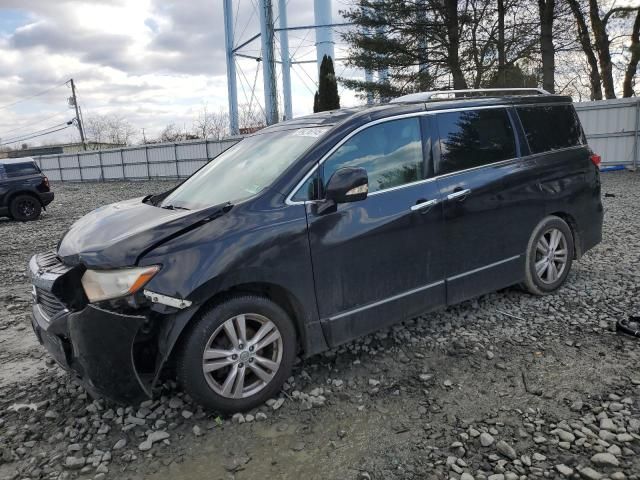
174 207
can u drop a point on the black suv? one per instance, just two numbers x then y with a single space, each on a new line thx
24 189
313 232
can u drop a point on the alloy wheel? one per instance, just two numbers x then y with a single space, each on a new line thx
26 208
551 256
242 356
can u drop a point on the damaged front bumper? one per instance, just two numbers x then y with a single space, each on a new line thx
96 345
115 355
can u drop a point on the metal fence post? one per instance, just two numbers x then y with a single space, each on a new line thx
59 168
636 147
146 156
101 167
79 167
175 154
124 175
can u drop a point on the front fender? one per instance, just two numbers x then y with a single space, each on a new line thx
253 245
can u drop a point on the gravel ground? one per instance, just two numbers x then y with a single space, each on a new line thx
506 386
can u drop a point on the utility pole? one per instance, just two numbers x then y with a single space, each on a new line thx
268 61
78 121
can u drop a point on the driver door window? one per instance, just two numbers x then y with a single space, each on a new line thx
390 152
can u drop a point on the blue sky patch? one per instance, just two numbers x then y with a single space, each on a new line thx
11 19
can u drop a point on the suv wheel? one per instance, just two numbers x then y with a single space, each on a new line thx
25 207
549 256
238 354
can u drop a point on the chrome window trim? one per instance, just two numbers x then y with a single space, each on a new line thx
558 150
289 197
494 164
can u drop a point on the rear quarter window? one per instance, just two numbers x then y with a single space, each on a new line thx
550 127
20 169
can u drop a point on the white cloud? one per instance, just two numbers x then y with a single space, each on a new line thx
152 61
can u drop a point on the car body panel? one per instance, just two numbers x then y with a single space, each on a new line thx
116 235
403 266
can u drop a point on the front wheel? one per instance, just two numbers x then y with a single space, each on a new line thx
549 256
238 354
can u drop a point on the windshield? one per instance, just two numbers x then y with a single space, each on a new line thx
243 170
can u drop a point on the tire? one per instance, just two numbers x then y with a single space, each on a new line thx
263 368
25 208
543 276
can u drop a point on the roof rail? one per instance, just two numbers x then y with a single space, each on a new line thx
421 96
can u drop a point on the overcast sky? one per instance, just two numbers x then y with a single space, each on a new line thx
152 61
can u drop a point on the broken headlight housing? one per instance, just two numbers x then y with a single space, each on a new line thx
102 285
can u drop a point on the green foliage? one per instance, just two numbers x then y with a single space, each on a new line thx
326 98
458 42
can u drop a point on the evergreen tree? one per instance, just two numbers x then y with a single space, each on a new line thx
461 44
326 97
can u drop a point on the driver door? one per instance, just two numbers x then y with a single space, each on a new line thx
379 261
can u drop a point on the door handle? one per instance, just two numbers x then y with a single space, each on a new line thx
461 194
424 205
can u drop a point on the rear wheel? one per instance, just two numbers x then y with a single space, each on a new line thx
549 256
25 207
238 354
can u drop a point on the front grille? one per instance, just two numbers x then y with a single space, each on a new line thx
48 303
50 262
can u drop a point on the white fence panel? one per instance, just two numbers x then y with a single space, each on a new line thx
174 160
611 127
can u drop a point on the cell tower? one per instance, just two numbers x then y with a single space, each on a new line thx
324 46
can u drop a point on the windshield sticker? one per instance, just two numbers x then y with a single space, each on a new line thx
310 132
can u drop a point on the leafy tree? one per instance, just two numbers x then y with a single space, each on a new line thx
326 97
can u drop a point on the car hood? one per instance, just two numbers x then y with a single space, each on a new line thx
117 235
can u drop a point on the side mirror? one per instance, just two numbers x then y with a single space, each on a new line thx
347 185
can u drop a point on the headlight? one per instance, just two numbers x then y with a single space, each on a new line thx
107 284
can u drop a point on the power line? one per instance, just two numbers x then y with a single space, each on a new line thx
21 138
32 96
29 125
36 136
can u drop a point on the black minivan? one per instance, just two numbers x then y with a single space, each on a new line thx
313 232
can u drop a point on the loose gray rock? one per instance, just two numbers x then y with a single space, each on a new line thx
507 450
590 474
120 444
605 458
564 470
486 439
75 463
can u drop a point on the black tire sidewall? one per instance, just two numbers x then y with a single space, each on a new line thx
190 374
16 215
533 283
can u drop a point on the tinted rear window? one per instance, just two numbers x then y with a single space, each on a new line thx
550 127
20 169
472 138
